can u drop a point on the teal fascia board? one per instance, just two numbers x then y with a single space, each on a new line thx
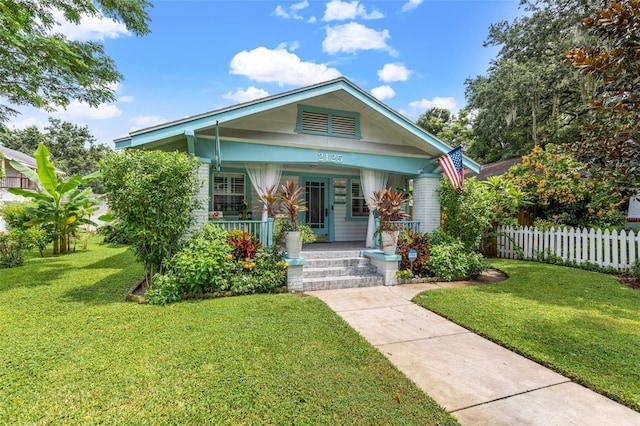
123 143
233 113
257 153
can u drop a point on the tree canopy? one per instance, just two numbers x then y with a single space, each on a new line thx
446 126
610 142
530 94
42 68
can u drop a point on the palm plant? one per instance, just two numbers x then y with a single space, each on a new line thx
60 205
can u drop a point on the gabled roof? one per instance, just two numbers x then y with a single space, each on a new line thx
195 123
493 169
12 154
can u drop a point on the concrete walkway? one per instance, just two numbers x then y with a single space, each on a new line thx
477 381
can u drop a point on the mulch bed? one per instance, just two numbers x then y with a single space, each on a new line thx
630 281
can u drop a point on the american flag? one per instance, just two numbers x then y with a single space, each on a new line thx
451 164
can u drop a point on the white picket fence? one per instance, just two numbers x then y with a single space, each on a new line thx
619 250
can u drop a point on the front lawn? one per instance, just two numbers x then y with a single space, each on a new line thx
582 324
74 352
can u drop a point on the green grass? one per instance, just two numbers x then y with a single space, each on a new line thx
582 324
73 352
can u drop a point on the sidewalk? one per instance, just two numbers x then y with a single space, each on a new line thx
477 381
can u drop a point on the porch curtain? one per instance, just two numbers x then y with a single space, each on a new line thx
264 176
371 180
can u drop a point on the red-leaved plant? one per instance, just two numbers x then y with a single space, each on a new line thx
390 206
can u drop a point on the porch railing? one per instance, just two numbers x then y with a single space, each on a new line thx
406 224
17 182
261 229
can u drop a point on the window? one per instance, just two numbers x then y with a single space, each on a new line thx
321 121
359 206
228 194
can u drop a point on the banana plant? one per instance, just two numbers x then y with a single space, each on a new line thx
59 203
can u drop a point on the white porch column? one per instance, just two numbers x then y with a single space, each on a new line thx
426 203
202 214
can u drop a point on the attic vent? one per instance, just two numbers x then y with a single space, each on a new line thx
329 122
343 125
315 122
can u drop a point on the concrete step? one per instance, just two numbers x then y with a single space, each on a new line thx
335 262
349 281
338 271
329 254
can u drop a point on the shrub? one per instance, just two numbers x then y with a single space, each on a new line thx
243 244
203 264
420 242
153 194
450 260
469 214
206 265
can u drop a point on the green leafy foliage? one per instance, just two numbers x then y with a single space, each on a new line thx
561 190
153 194
467 215
529 96
410 240
216 262
451 260
40 67
610 142
58 203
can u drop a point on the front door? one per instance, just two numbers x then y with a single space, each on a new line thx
316 195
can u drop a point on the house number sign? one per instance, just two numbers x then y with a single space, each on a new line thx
329 157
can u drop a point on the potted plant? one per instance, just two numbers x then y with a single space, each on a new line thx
293 204
390 206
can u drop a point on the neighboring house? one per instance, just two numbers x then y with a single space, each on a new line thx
493 169
13 178
332 138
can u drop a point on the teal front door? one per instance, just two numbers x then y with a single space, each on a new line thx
317 197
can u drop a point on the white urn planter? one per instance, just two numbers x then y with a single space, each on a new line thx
293 241
389 242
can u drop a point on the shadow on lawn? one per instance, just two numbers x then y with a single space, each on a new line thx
111 289
569 287
41 271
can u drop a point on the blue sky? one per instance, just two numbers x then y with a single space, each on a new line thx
206 54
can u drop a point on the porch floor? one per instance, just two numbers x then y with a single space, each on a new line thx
335 246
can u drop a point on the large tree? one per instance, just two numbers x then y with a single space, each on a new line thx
42 68
611 137
448 127
530 96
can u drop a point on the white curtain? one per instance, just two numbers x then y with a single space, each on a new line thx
371 181
264 176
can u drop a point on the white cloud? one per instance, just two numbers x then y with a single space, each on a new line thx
126 99
353 36
40 123
77 109
90 28
383 92
411 4
247 95
394 72
338 10
144 121
279 66
424 104
292 12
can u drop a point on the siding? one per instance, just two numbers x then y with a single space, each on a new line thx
348 230
426 203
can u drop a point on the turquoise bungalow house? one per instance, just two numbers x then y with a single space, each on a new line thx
333 138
